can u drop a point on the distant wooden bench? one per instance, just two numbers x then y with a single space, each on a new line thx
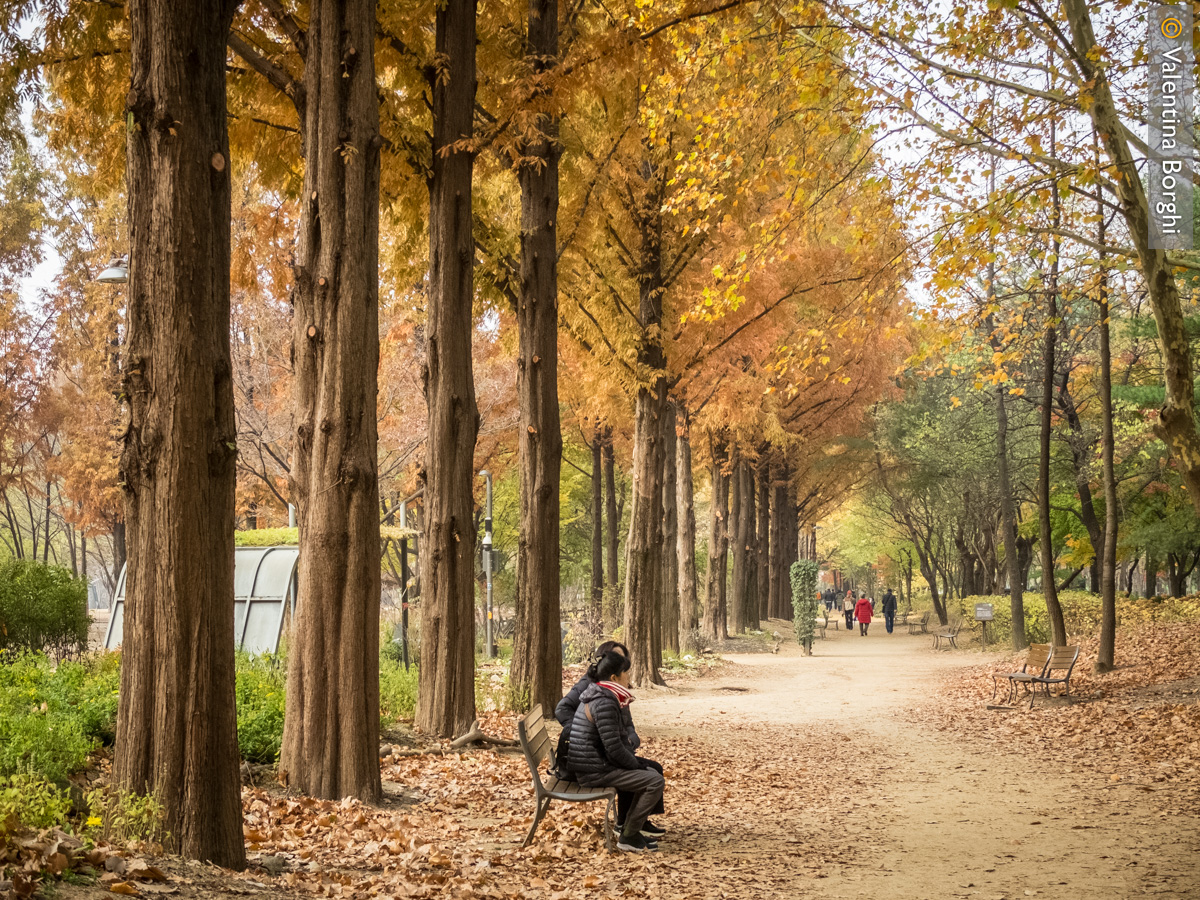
538 747
820 623
947 633
920 625
1034 667
1062 660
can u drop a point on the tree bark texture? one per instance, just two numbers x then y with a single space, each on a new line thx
743 552
715 596
734 612
331 730
686 539
762 485
670 610
1106 653
597 528
644 547
176 721
537 639
1049 588
1008 511
775 550
610 508
446 698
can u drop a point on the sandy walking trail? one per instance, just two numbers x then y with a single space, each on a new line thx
906 809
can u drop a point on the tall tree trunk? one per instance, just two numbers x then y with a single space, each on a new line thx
670 610
446 696
1152 568
597 527
331 729
686 540
738 520
1008 511
762 479
1049 588
610 507
1177 419
715 625
775 549
1106 653
750 490
644 546
176 721
537 640
119 547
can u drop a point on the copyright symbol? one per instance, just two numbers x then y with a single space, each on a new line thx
1171 28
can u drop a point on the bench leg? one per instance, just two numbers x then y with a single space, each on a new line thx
609 823
543 804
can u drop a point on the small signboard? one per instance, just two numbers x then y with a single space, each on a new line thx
983 612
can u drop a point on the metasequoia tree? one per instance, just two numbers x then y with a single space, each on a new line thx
331 731
176 727
537 647
446 698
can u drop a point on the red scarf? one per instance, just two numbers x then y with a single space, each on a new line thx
623 694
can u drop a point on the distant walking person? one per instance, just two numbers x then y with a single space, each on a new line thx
848 609
862 612
889 610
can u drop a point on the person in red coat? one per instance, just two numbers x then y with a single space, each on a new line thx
862 612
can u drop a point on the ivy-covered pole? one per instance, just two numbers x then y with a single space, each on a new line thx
804 601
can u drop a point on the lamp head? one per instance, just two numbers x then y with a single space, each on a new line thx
117 272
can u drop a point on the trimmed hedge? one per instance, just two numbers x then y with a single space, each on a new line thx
1081 612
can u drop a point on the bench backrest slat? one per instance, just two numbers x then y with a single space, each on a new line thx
1039 655
535 741
1062 658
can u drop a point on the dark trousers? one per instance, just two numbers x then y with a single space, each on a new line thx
645 790
625 798
889 619
849 619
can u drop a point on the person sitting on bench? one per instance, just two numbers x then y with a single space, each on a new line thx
564 712
601 755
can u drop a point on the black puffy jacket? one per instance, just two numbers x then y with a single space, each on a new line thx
601 746
565 713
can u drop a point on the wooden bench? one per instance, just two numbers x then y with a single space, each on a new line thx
820 623
538 747
947 633
1062 659
920 625
1034 667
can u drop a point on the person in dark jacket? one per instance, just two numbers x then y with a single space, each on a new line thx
601 756
564 712
889 610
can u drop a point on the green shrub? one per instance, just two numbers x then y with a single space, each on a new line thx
261 699
1081 613
397 691
52 718
119 816
42 608
27 801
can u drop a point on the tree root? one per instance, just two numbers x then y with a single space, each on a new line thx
475 735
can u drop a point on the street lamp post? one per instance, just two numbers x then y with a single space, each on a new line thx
490 645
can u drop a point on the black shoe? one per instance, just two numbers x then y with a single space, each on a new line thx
650 830
635 843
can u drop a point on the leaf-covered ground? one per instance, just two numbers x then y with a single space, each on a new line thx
1137 728
871 769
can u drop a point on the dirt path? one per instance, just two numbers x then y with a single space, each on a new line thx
905 810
